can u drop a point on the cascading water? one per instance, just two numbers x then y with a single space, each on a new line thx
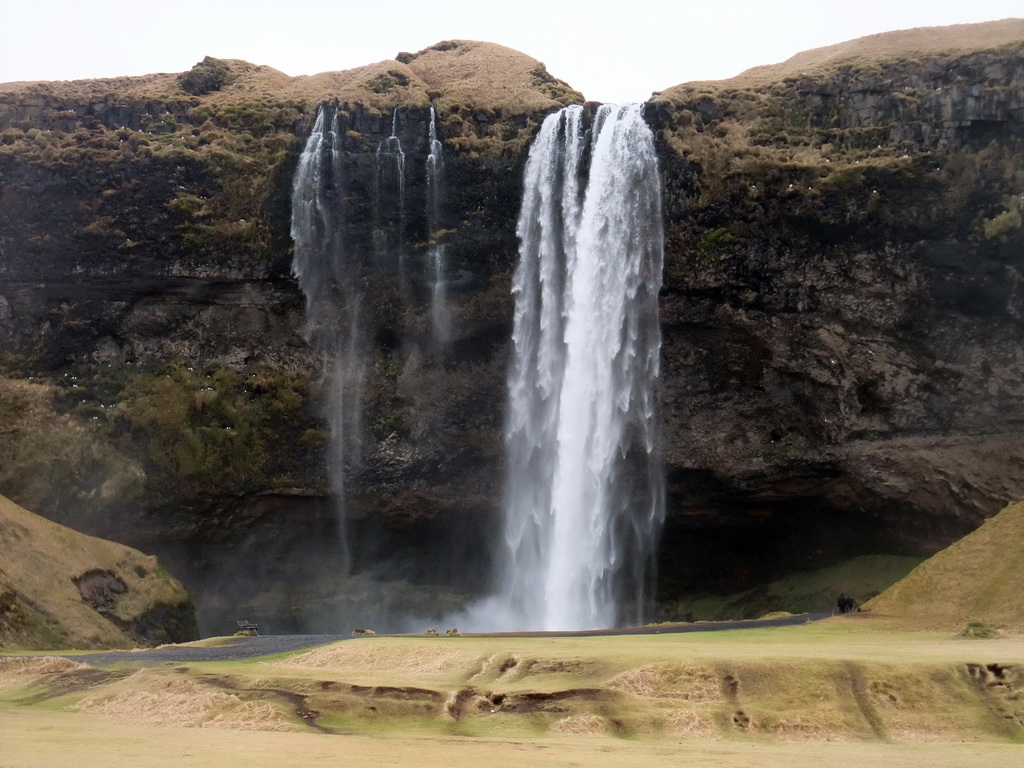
585 495
435 194
389 197
328 276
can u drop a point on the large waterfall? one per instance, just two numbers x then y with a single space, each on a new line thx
585 497
328 275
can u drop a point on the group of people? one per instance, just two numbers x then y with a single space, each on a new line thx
845 603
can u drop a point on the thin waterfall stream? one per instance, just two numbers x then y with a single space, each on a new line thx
327 274
389 199
439 316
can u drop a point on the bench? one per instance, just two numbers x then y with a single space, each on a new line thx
244 625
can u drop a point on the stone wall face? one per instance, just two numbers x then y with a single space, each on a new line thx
844 368
842 310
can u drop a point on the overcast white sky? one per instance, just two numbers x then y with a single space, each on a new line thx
611 51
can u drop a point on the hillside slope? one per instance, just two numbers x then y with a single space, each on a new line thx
978 577
63 589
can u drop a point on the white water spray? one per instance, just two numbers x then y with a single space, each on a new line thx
585 496
328 276
389 196
439 317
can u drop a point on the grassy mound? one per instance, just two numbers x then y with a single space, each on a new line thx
63 589
978 578
900 45
488 76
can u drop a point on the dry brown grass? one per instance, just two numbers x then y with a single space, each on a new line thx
690 724
872 50
375 660
978 577
42 560
582 725
19 671
154 699
698 684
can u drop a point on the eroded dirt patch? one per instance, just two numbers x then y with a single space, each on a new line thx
151 698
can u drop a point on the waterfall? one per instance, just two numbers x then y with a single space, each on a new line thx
328 276
584 496
435 193
389 197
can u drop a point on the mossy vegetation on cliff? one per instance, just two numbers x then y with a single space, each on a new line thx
122 437
216 431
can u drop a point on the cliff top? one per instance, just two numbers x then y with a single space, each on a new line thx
469 72
885 47
454 72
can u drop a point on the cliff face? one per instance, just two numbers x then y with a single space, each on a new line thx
842 370
145 260
843 310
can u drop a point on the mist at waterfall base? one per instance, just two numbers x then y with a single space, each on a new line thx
583 499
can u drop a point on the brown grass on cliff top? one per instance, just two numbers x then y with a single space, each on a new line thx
454 73
487 76
875 49
978 577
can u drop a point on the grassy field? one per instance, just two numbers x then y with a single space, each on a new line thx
848 691
34 739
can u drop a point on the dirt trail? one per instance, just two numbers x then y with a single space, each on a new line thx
266 645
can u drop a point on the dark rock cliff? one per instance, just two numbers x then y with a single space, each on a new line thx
145 260
843 312
843 372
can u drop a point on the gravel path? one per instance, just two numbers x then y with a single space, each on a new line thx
265 645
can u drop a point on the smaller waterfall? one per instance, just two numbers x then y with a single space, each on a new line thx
439 317
328 276
389 197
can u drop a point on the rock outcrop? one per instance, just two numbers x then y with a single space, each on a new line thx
842 314
842 309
